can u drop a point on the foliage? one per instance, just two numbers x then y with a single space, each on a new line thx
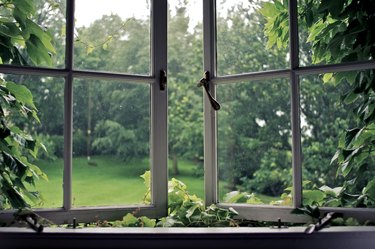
130 220
17 147
185 210
185 109
254 121
254 149
340 31
23 42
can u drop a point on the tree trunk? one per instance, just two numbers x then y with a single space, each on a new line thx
175 165
88 134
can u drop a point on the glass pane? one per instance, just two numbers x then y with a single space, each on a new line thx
110 142
33 33
185 58
113 35
334 118
48 96
243 42
335 31
254 142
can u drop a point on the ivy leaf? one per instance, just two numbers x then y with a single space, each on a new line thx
129 220
147 222
311 197
335 192
191 210
235 197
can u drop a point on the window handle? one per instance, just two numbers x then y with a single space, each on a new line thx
325 221
163 80
205 83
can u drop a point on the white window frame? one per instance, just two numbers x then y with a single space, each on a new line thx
159 102
158 124
265 212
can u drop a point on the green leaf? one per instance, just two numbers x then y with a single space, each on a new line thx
346 167
327 77
9 30
191 210
147 222
42 35
370 189
350 98
26 7
350 134
129 220
268 10
21 93
147 178
235 197
312 197
37 51
335 192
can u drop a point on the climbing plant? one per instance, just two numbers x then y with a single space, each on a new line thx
23 42
340 32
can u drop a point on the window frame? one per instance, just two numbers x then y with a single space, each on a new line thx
293 72
159 103
158 122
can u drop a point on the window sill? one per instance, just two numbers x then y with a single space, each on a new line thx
294 237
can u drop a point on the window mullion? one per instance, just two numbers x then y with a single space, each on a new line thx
295 104
159 105
210 125
68 107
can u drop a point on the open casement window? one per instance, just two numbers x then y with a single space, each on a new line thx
70 97
278 125
280 122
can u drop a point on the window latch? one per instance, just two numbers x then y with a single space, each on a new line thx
163 80
325 221
205 83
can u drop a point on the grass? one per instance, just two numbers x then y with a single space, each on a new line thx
104 182
107 181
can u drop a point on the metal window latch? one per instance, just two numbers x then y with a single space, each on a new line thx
322 223
163 80
205 83
31 219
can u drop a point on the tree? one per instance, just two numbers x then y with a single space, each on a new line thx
185 98
254 123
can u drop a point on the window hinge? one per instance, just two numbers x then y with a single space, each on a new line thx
163 80
205 81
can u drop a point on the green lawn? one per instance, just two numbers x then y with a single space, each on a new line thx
107 181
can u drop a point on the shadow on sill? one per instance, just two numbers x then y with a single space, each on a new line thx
290 238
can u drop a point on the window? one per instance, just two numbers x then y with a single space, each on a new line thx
72 99
274 130
277 129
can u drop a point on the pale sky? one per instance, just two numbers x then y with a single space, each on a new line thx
87 11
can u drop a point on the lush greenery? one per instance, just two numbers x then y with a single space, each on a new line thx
111 119
23 42
338 32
